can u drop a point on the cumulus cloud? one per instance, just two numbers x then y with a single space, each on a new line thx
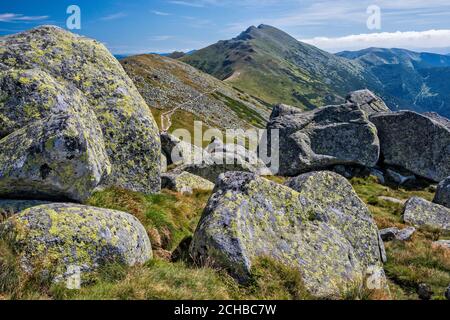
407 40
14 17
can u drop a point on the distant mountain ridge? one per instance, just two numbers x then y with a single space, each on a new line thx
271 65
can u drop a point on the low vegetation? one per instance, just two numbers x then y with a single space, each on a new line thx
171 217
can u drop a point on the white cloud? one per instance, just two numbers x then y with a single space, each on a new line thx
160 13
408 40
160 38
188 4
14 17
114 16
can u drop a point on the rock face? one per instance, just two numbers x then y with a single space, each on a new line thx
59 157
61 237
414 142
442 196
367 101
249 217
344 210
422 213
185 182
324 137
48 71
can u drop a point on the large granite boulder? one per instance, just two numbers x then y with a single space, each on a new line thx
367 101
185 182
61 238
344 210
324 137
414 142
442 196
249 217
48 71
422 213
60 157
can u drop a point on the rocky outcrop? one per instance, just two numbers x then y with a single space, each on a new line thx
56 239
367 101
414 142
179 152
422 213
59 157
48 71
324 137
249 217
442 196
185 182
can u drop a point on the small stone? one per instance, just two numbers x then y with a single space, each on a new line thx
424 291
389 234
405 234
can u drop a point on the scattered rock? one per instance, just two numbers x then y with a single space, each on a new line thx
61 157
422 213
424 291
367 101
442 196
61 237
179 152
49 71
392 200
250 217
443 244
185 182
447 293
414 142
405 234
389 234
398 178
324 137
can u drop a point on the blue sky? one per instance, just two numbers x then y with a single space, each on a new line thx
140 26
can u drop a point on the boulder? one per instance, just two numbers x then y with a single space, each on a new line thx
60 157
406 234
414 142
44 68
249 217
392 200
367 101
185 182
388 234
56 239
324 137
179 152
422 213
398 178
344 210
442 196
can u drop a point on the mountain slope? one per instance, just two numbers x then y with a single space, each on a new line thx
411 80
275 67
167 84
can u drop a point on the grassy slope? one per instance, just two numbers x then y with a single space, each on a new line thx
170 217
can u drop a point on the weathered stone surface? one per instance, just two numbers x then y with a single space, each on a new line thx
43 67
59 157
325 137
249 217
398 178
8 208
442 196
60 237
367 101
414 142
388 234
392 200
422 213
406 234
185 182
179 152
424 291
344 210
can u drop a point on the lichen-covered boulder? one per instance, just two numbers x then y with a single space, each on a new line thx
367 101
56 239
344 210
249 217
180 152
422 213
414 142
8 208
324 137
43 67
60 157
185 182
442 196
